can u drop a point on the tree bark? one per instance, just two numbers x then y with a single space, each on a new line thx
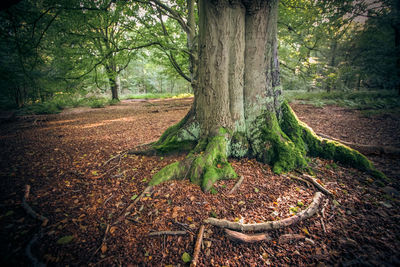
238 109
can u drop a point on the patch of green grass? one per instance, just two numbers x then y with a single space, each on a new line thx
157 96
61 101
363 100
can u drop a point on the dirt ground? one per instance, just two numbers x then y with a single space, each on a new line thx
65 158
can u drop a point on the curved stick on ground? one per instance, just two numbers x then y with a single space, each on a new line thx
299 179
168 233
317 185
28 252
245 238
197 247
237 185
270 225
29 210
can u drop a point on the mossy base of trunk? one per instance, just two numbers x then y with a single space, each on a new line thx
283 143
204 166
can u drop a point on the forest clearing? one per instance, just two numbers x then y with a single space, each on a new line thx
65 158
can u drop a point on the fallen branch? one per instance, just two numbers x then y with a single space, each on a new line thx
237 185
168 233
245 238
317 185
132 205
270 225
287 238
29 210
366 149
28 252
197 247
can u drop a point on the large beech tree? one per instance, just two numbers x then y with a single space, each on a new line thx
238 110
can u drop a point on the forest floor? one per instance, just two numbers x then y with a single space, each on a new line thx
65 160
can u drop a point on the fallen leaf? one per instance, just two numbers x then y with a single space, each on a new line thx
103 248
112 229
65 239
186 257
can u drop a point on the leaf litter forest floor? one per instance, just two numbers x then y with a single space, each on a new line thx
64 159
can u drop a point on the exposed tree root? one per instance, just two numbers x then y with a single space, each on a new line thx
237 185
306 140
167 233
246 238
197 246
270 225
30 211
366 149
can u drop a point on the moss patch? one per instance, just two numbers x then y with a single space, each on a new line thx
304 138
204 166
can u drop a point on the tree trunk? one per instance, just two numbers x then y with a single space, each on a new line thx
238 109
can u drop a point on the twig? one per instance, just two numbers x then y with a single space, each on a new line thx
168 233
237 185
29 210
105 202
131 206
245 238
323 224
317 185
102 242
270 225
197 247
291 176
115 157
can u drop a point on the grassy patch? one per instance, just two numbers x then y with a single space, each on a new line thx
61 101
363 100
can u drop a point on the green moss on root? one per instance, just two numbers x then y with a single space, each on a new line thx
169 172
304 137
279 149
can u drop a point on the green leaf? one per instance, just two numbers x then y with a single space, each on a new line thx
134 197
256 190
186 257
9 213
65 239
